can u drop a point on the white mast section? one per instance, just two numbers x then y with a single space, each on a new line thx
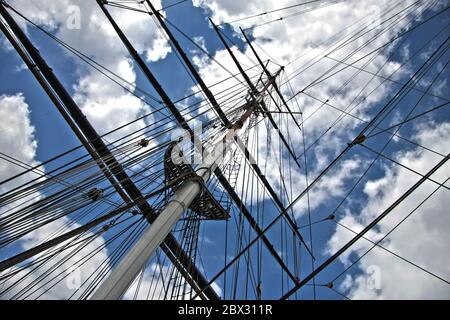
116 284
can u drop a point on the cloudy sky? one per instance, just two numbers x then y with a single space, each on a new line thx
336 88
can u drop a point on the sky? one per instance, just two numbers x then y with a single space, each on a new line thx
33 130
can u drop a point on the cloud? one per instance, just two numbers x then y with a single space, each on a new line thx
62 275
17 136
302 40
97 96
159 280
18 148
150 285
422 238
17 140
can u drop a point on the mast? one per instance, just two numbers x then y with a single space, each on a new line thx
180 119
243 148
253 88
129 267
280 204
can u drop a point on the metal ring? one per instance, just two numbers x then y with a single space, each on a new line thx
181 203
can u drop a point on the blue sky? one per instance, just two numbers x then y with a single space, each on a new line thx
54 136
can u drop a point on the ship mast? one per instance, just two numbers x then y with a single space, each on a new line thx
121 278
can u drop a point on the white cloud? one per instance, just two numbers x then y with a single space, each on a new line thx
200 41
18 145
17 136
63 274
97 96
150 285
303 36
159 280
17 141
422 238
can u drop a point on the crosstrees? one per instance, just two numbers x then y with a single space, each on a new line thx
275 86
253 90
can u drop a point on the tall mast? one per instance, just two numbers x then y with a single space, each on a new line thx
129 267
253 88
243 148
180 119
